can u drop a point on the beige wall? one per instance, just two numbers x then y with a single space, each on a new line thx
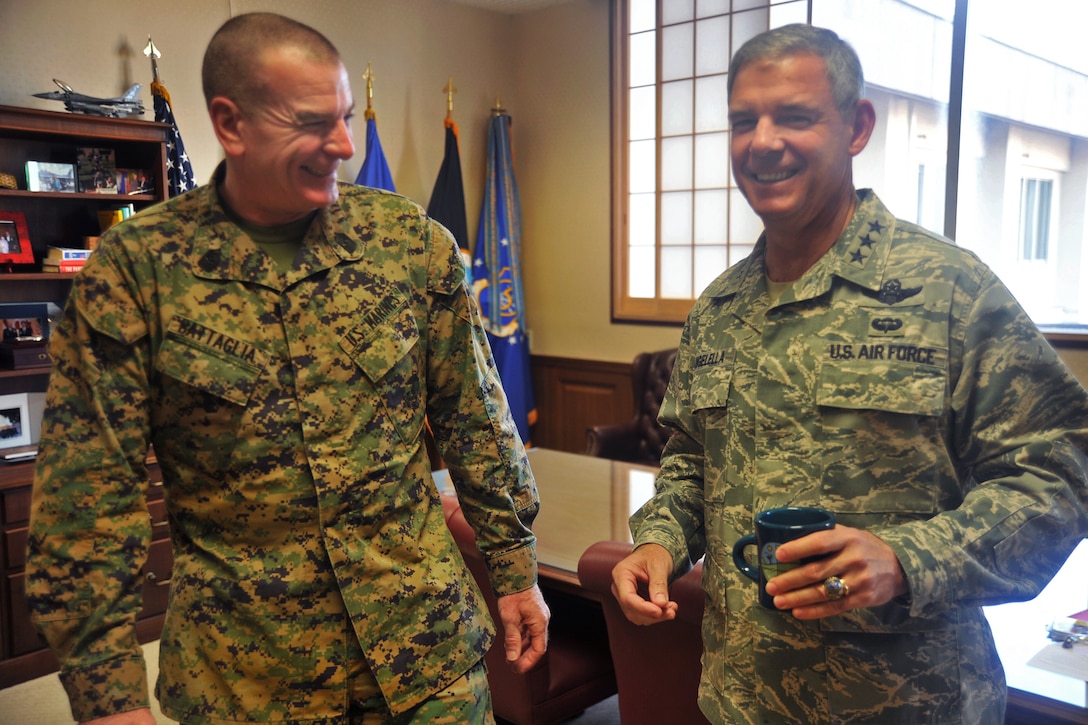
550 68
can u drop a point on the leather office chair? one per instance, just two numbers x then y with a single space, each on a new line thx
641 439
575 673
657 667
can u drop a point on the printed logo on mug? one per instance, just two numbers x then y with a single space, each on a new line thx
775 527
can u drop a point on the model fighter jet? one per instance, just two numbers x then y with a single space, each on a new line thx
124 105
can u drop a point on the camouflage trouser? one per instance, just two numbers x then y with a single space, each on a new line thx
465 702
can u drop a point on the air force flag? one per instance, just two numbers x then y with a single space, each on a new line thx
497 275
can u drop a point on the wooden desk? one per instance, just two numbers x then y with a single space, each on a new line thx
585 500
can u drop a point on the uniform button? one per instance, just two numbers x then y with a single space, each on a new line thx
211 260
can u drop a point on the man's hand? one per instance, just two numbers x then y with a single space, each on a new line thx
525 618
650 565
862 561
132 717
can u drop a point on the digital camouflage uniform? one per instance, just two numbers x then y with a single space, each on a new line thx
286 412
899 385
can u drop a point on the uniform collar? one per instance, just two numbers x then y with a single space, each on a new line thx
859 256
222 251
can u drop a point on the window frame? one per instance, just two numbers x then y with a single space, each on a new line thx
667 311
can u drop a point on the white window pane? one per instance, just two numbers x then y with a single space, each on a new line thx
643 61
711 103
744 226
786 13
676 218
711 221
675 163
747 26
738 252
749 4
706 8
676 107
677 46
641 220
642 111
677 11
642 166
709 263
642 265
711 160
712 46
676 273
641 15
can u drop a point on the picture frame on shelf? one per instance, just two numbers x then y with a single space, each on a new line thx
14 420
50 176
23 330
14 239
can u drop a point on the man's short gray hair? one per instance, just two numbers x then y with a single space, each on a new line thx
843 66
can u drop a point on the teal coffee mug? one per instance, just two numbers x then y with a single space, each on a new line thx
775 527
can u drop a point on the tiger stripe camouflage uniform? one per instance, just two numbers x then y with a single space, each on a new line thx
286 412
898 384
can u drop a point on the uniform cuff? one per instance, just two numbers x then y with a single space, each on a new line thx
513 571
111 687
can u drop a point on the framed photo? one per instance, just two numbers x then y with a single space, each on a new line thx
14 239
14 420
27 330
49 176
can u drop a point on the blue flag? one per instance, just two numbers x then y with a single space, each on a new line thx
447 204
374 171
179 172
497 276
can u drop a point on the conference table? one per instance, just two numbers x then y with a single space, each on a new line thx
585 500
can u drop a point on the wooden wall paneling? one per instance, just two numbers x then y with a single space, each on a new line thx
572 395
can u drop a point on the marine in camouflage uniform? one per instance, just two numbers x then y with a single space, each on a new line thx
286 411
899 385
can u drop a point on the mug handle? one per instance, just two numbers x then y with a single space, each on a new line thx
738 557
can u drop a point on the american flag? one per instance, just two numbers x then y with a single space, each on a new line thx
179 172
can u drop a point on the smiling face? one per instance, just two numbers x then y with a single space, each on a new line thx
284 152
791 148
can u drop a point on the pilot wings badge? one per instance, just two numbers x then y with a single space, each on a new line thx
893 292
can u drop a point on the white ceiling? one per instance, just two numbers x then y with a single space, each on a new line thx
510 7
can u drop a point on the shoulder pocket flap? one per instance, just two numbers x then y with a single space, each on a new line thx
205 368
911 388
377 349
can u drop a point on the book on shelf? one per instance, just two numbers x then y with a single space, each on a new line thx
66 254
96 170
68 267
108 217
48 176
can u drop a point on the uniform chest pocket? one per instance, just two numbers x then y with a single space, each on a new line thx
711 377
207 381
388 355
881 436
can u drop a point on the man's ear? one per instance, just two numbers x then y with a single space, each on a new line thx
862 127
227 122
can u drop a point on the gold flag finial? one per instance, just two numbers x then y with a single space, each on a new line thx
498 109
369 76
449 90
